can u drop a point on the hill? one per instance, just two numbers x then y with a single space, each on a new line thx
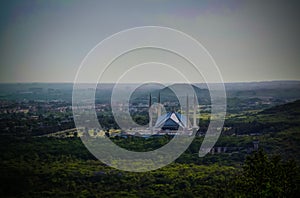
292 108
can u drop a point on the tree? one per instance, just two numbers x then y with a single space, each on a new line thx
75 134
264 176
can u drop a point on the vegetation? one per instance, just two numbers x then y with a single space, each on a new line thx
52 167
265 176
32 165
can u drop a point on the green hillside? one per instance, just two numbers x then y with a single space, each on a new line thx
292 108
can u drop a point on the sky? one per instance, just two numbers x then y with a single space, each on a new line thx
46 41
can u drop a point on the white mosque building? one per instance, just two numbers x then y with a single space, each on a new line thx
173 122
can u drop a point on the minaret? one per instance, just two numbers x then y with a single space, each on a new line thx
150 113
187 111
159 106
194 113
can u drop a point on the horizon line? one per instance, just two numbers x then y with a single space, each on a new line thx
68 82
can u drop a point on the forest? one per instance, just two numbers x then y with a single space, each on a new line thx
51 167
33 164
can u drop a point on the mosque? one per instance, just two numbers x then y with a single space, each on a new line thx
173 122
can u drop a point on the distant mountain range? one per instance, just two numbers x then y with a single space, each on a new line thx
275 90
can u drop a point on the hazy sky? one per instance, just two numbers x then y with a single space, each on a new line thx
45 41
